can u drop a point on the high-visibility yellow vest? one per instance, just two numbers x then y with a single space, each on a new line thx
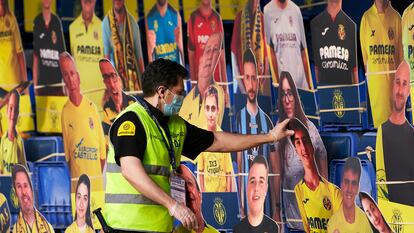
125 207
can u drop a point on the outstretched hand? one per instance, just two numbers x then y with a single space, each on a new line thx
281 131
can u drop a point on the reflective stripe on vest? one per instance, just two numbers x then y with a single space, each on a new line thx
125 207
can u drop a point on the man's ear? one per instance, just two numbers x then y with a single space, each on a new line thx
161 91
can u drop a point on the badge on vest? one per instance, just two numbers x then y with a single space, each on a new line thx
177 185
127 128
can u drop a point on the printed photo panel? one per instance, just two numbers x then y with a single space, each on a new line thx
215 170
193 199
408 46
252 117
394 146
375 215
164 33
289 106
48 43
335 57
25 121
115 99
24 192
285 35
13 71
193 108
87 48
381 47
4 215
124 50
11 143
83 206
199 30
315 208
249 35
83 137
351 178
229 8
257 189
132 7
189 6
31 9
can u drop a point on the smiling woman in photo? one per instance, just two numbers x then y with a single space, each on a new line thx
83 222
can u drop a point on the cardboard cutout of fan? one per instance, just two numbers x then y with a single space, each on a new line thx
4 95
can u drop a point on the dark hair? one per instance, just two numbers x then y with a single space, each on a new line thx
353 164
248 56
211 91
260 159
84 179
298 104
161 72
282 114
20 168
296 125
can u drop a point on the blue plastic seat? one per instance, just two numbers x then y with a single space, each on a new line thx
40 148
52 182
340 145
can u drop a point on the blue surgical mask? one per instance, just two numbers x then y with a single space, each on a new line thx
174 107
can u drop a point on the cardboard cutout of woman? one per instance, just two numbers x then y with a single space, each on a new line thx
83 220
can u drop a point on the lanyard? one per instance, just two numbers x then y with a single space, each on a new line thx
164 132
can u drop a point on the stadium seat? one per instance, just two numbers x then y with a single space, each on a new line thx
367 181
44 148
367 139
340 145
52 182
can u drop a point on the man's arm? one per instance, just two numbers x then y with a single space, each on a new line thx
305 62
179 38
151 41
35 71
23 73
228 142
133 171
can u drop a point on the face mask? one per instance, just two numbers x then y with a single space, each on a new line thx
174 107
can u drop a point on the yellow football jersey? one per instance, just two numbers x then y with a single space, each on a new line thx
84 142
317 206
215 166
408 43
87 49
338 224
11 45
73 228
381 47
11 152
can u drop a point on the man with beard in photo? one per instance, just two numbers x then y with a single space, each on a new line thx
253 120
395 144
